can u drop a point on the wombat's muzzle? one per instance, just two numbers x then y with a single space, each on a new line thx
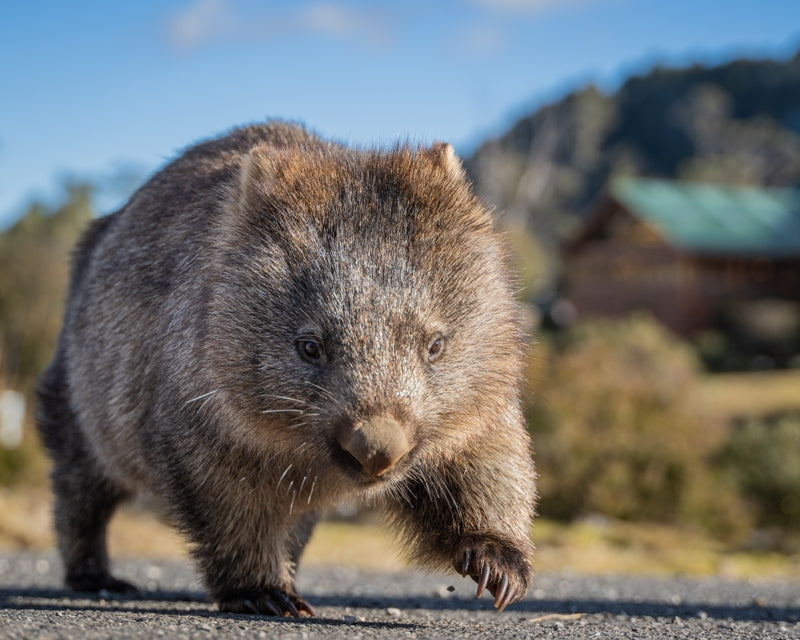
377 444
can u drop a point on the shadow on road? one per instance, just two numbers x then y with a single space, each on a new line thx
148 603
644 608
157 602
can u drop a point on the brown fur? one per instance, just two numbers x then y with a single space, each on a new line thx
253 337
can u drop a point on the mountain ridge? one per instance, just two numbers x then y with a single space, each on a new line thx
737 122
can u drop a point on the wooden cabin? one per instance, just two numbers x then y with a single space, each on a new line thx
684 251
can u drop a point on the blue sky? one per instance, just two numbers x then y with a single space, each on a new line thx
102 89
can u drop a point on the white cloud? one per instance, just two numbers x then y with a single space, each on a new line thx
534 6
207 21
334 20
201 22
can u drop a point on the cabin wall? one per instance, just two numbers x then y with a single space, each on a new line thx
623 266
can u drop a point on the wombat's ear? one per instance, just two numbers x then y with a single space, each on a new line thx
281 187
261 169
444 157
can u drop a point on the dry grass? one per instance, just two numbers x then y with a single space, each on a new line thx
599 546
26 523
593 546
731 395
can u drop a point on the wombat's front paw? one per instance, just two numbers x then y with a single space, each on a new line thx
495 565
271 602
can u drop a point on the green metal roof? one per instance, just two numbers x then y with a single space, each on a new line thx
716 218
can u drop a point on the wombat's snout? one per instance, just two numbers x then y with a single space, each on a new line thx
377 444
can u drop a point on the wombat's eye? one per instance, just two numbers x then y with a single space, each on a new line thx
309 349
435 348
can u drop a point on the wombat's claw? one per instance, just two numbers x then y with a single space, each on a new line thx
503 593
465 565
271 603
495 569
483 580
294 605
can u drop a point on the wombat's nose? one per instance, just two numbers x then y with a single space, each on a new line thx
377 444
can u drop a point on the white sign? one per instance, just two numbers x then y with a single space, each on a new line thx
12 416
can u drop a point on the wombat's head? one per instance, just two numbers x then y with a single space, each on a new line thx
362 315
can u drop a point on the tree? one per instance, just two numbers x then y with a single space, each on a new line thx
34 266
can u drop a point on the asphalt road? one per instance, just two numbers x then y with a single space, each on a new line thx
358 604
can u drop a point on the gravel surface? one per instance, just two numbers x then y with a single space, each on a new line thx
360 604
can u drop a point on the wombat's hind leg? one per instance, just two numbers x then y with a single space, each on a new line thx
81 519
84 498
270 602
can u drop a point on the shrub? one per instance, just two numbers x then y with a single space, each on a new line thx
614 433
763 457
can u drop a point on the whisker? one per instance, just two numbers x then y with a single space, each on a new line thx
451 498
283 475
282 411
311 491
201 396
298 401
294 400
327 394
406 495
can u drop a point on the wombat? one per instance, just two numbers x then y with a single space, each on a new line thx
274 323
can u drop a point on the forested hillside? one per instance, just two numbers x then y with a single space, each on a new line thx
739 122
